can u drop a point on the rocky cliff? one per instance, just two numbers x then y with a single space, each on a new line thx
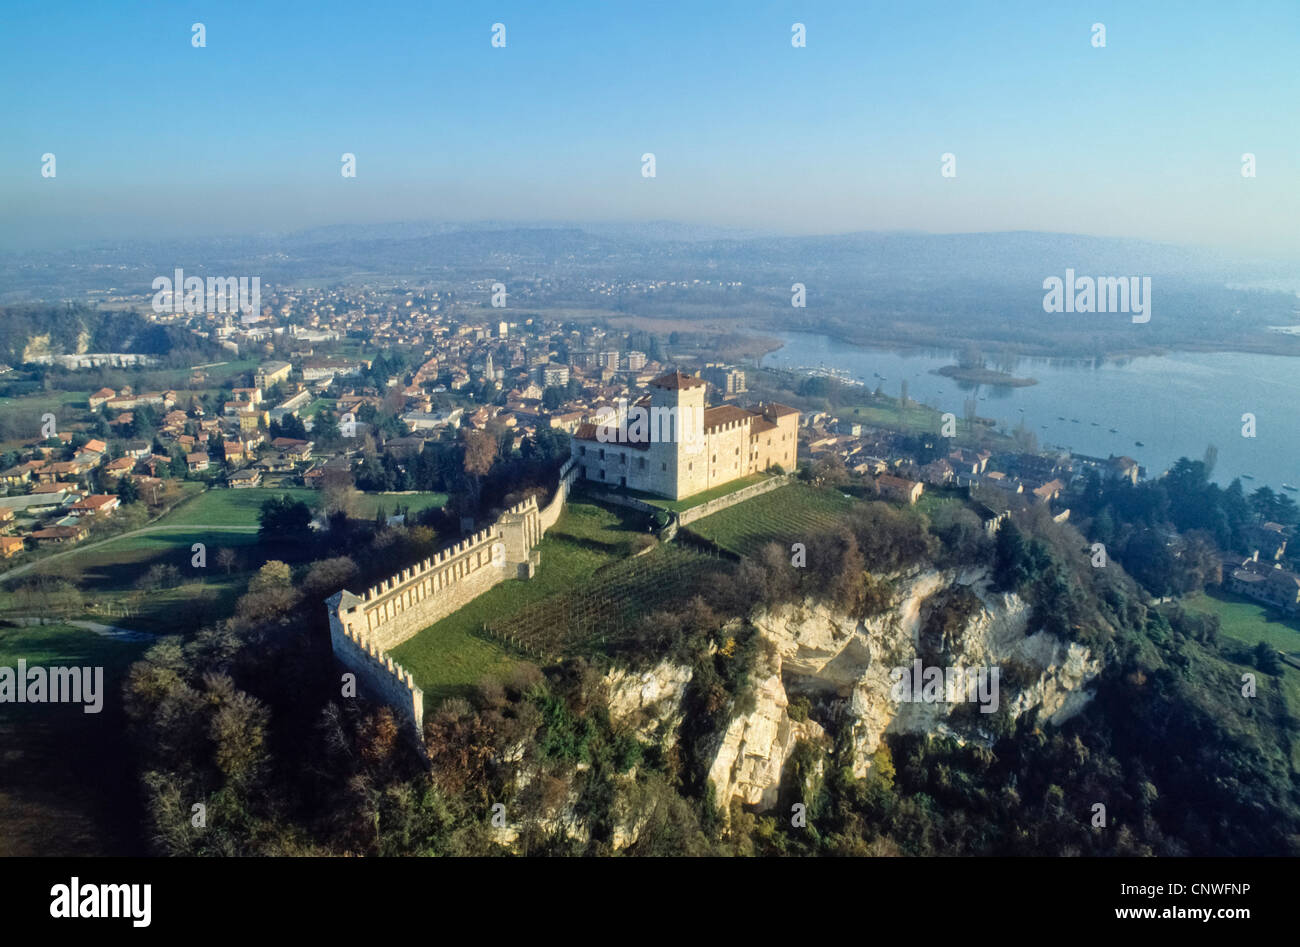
837 670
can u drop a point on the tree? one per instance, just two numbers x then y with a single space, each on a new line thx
1266 658
338 492
127 490
327 576
480 454
274 574
285 519
289 426
226 559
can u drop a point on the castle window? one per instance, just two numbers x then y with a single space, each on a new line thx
737 451
643 463
690 466
715 459
582 451
664 466
602 453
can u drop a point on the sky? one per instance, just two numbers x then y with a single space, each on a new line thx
1144 138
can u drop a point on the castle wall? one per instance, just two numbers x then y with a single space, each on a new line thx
363 628
731 499
399 607
378 676
549 514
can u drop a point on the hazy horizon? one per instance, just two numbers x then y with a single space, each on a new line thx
1141 139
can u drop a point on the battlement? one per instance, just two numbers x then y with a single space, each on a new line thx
476 541
377 673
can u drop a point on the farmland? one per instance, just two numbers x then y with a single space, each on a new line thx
598 613
786 515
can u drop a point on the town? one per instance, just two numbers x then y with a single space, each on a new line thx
351 386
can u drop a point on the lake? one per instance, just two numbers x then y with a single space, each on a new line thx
1175 404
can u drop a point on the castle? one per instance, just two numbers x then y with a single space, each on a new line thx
669 444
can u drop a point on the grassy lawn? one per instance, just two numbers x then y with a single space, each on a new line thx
369 503
936 497
917 417
107 575
448 658
788 514
225 507
1248 621
316 406
66 786
48 401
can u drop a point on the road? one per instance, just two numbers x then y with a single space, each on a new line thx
171 528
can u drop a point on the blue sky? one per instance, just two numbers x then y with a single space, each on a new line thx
1140 139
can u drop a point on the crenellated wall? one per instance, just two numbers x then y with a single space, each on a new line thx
378 676
363 628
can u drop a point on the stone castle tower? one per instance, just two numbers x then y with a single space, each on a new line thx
677 433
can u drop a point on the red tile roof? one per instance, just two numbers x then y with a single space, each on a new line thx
674 381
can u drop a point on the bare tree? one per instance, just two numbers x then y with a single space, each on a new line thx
227 558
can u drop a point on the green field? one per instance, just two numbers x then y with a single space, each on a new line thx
934 499
48 401
316 407
917 417
224 507
66 786
107 575
369 503
788 514
1248 621
450 657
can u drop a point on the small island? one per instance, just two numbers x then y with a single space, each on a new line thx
979 375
